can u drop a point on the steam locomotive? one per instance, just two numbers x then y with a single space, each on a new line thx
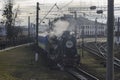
60 50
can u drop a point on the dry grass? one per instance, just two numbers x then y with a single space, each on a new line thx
18 64
94 66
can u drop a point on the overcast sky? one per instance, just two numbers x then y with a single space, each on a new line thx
29 6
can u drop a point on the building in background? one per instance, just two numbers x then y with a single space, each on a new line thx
87 28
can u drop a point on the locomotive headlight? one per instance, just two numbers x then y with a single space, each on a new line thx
69 44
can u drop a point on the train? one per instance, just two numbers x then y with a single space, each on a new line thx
60 50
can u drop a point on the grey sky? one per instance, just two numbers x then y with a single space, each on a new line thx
29 6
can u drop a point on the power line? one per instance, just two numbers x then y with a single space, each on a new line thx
48 12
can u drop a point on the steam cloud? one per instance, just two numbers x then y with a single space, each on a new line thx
59 27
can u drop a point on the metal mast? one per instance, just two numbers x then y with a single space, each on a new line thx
37 22
110 24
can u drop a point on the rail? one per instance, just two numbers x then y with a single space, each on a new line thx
80 74
100 54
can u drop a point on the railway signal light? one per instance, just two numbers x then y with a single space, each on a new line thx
99 11
92 7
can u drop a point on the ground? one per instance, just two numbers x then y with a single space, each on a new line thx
96 66
117 51
19 64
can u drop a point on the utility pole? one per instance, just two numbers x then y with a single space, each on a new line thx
49 26
118 31
82 41
29 26
75 15
110 24
95 30
75 25
37 22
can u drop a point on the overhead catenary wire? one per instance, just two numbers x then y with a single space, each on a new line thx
48 12
59 9
66 5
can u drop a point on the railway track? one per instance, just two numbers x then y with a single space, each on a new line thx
80 74
102 55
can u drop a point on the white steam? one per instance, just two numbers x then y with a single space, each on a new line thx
59 27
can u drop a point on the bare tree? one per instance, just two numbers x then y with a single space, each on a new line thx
10 17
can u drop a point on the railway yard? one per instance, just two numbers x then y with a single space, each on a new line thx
19 64
96 65
57 40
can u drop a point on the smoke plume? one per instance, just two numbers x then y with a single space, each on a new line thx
59 27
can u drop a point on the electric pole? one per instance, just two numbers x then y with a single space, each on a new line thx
76 23
75 15
37 22
118 30
82 41
110 24
95 30
29 26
